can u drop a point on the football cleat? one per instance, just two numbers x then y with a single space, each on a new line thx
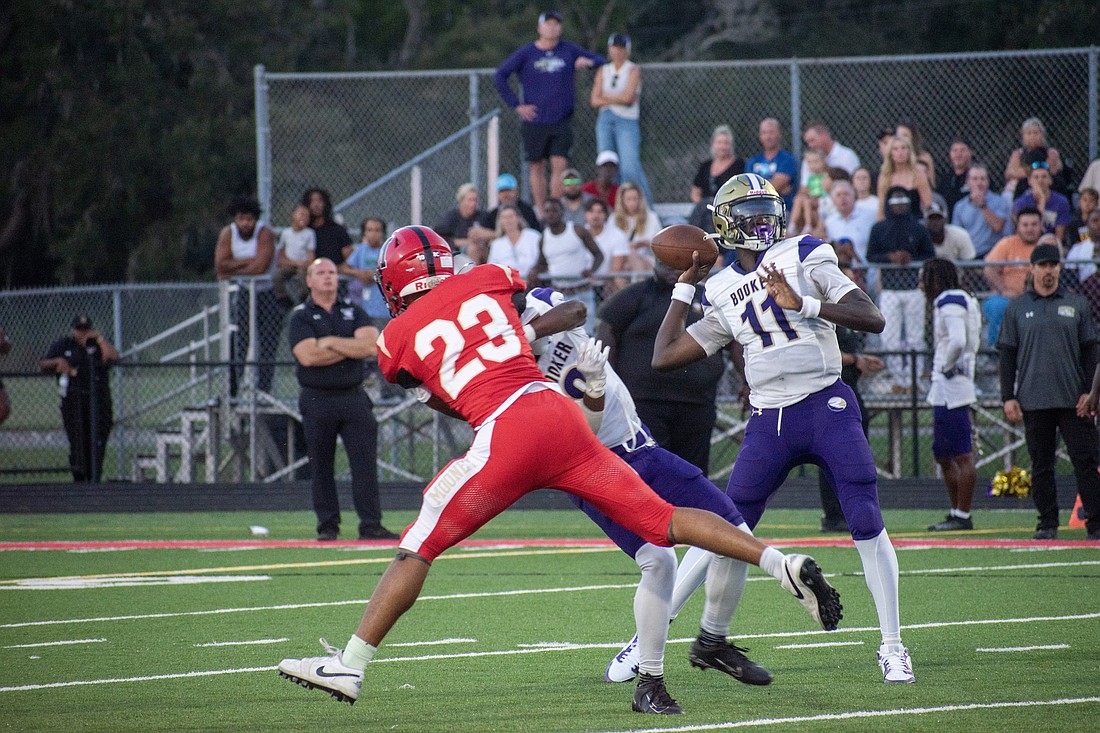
951 524
623 667
804 580
650 696
895 665
726 657
328 674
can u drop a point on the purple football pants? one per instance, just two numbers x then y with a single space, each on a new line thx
823 429
673 479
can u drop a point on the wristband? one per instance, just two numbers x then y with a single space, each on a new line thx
529 332
683 292
811 307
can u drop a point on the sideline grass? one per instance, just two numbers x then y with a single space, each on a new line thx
472 655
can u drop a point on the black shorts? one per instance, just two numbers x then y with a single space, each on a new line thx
542 141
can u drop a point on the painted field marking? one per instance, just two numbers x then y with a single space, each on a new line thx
1021 648
56 643
539 649
824 643
316 564
861 714
243 643
116 581
433 643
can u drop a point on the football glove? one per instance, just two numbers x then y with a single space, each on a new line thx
591 360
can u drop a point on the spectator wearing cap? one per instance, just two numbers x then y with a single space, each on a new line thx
545 69
953 186
1048 359
986 217
950 242
508 195
603 186
900 240
1009 280
1053 206
616 92
574 200
80 361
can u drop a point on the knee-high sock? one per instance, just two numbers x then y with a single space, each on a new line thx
651 605
880 569
725 584
693 571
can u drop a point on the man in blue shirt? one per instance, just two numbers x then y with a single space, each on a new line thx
545 69
985 216
775 164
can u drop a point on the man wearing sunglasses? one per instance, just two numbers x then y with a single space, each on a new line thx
574 201
1053 206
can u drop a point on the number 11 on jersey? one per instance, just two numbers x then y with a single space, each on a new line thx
753 317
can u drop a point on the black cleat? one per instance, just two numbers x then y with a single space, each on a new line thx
726 657
805 581
952 524
650 696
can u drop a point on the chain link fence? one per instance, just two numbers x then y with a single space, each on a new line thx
345 131
177 418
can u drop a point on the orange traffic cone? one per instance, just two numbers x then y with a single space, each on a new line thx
1077 516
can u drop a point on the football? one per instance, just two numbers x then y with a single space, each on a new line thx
673 246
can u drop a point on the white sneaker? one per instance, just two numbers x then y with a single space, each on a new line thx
329 674
624 665
804 580
896 665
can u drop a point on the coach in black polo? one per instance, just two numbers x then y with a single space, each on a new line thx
330 338
1048 347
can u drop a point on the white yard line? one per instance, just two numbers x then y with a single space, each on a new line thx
1021 648
857 714
56 643
821 644
243 643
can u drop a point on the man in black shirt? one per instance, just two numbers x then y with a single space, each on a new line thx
80 362
1048 348
330 338
333 240
678 407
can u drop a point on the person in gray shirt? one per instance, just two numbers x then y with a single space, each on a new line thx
1048 353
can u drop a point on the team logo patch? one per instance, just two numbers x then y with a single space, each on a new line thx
348 313
837 404
1067 310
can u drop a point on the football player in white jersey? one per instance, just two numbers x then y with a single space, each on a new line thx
570 359
956 335
780 299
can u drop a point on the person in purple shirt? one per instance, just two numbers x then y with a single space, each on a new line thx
1054 207
775 164
545 69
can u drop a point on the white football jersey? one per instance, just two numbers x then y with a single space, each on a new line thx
956 336
787 356
557 358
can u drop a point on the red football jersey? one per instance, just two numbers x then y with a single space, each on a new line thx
463 342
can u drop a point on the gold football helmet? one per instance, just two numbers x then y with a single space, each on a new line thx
748 213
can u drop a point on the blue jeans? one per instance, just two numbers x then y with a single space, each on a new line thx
625 138
994 311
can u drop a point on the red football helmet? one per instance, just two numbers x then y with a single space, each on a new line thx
413 260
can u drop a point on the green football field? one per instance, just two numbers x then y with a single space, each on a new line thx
175 622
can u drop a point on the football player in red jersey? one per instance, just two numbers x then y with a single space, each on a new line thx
458 341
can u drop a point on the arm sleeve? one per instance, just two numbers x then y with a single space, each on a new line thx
57 348
298 329
711 332
1008 372
954 322
876 250
540 301
500 78
823 269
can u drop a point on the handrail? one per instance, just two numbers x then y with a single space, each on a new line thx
415 160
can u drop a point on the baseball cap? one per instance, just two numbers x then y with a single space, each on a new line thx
619 39
1045 253
897 195
934 209
607 156
571 174
506 182
550 15
82 322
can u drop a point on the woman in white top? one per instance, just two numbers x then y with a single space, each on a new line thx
638 223
861 183
516 245
615 93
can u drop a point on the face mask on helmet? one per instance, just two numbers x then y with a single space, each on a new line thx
413 260
748 214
